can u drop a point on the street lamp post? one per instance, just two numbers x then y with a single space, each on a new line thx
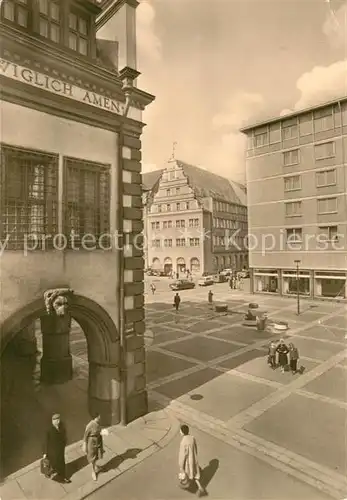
297 262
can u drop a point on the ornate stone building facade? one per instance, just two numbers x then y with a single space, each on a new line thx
71 190
195 220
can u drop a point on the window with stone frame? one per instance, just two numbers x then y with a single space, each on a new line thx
50 20
87 203
79 30
16 11
29 198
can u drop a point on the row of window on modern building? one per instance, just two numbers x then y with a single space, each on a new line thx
324 178
326 205
320 120
50 20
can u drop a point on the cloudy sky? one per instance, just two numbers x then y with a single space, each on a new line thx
215 65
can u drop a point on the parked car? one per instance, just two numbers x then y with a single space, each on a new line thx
244 273
182 285
206 281
226 272
219 278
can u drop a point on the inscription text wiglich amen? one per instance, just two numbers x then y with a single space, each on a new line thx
56 86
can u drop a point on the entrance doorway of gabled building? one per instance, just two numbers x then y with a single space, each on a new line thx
27 403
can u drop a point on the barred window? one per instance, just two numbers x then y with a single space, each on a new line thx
87 199
29 198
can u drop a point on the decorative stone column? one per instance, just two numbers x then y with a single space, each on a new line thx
104 391
56 362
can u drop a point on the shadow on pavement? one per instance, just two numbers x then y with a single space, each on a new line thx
76 465
208 472
115 462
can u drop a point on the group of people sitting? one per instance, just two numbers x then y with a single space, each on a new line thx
278 356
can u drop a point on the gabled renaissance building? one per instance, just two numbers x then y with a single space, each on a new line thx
297 202
194 220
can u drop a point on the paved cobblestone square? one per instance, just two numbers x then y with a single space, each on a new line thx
332 384
314 429
167 335
258 367
187 384
204 326
227 395
324 332
201 348
159 365
244 334
337 321
315 349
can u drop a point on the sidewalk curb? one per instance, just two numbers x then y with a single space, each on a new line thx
168 433
91 487
319 477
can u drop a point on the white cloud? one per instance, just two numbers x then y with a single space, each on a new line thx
325 83
322 83
286 112
239 109
148 43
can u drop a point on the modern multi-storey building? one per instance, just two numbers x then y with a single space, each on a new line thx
71 116
297 202
194 220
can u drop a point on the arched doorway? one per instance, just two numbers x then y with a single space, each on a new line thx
156 264
92 389
167 266
194 265
181 265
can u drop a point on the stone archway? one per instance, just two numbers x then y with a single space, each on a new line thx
103 349
156 264
167 266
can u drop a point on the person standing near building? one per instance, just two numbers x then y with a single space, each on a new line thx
210 298
55 449
93 444
293 358
282 350
153 288
272 355
177 301
188 463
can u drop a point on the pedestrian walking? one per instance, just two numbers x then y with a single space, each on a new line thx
55 449
234 282
153 288
282 350
272 355
93 444
231 283
189 469
177 301
293 358
241 283
210 297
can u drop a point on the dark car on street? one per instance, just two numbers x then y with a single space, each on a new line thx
182 285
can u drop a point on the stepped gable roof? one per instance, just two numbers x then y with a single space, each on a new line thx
207 184
149 179
204 183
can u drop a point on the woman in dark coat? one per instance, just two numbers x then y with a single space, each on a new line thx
55 448
93 444
282 350
293 358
